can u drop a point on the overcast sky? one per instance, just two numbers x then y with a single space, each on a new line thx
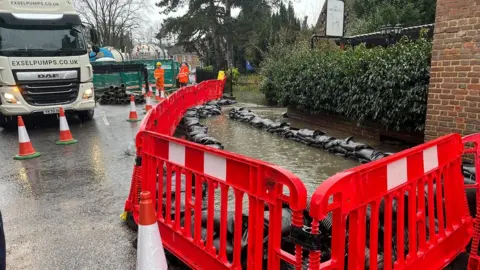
310 8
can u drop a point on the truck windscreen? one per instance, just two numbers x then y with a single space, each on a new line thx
41 41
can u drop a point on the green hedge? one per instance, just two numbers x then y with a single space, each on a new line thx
386 85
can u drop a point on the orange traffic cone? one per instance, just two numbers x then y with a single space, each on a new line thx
25 148
148 105
157 95
143 90
65 135
162 94
133 111
150 252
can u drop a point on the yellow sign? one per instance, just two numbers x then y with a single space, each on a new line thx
221 75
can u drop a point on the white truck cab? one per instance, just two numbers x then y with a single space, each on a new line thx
44 62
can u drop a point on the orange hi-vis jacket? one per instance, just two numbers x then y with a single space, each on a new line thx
159 75
183 75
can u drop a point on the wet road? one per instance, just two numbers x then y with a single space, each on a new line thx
61 210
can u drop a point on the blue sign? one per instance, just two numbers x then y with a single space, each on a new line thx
249 66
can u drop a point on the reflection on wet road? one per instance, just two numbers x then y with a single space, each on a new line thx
61 210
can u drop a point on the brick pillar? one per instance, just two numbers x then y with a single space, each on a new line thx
454 92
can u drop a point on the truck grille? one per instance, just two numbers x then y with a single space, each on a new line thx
62 89
49 92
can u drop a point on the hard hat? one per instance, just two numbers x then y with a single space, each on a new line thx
159 64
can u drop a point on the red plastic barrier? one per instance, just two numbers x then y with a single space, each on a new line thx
409 183
232 182
164 118
473 148
420 193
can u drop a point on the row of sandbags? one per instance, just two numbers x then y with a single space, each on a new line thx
196 131
117 95
316 138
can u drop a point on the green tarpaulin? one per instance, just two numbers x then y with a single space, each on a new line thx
134 80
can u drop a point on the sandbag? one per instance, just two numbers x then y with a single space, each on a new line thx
198 129
266 122
290 133
197 137
213 102
215 111
286 220
469 171
191 114
216 146
255 121
191 121
208 140
351 146
369 154
309 133
333 143
277 125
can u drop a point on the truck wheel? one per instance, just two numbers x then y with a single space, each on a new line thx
8 122
86 115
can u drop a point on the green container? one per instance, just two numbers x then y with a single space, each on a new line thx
134 80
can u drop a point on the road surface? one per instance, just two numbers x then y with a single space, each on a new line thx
61 210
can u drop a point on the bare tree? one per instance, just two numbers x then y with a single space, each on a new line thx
113 19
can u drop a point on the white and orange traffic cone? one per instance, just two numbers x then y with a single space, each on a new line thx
150 252
65 135
148 105
25 148
143 90
133 111
162 94
157 95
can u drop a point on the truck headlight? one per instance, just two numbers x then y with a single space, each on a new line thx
88 93
9 98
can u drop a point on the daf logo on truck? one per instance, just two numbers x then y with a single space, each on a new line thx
48 76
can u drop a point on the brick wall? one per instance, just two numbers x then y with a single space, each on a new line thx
454 93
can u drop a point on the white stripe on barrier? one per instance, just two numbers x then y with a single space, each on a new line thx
430 159
23 135
63 124
150 252
176 153
215 166
396 173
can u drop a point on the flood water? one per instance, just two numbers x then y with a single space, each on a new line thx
311 165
